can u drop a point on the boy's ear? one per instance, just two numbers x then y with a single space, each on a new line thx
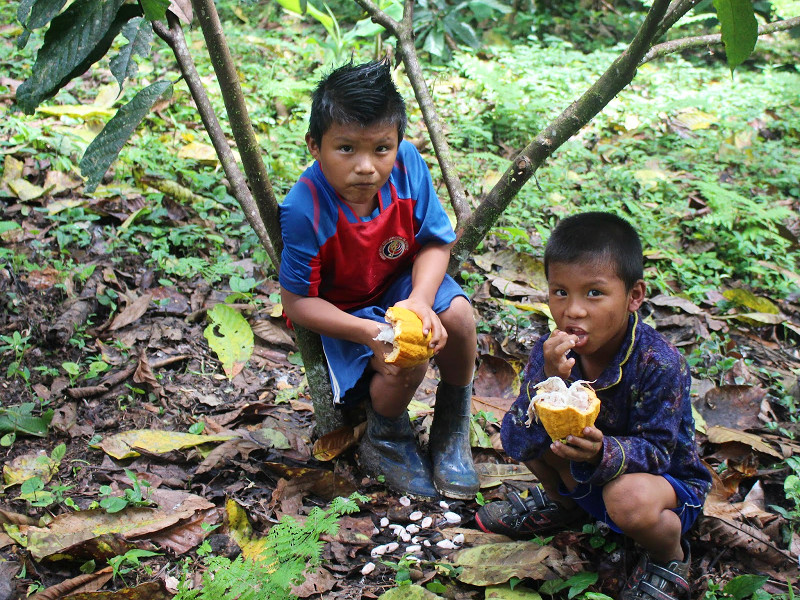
636 295
312 146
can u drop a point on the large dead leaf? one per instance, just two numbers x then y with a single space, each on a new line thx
733 406
123 445
409 592
317 582
152 590
331 445
722 435
81 583
34 464
65 535
729 533
241 531
492 474
492 564
504 592
131 313
495 376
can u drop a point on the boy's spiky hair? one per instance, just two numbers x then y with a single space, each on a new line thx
363 94
597 237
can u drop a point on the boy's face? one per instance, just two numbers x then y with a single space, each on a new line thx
588 300
357 161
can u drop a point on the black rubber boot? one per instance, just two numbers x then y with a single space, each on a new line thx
389 449
454 473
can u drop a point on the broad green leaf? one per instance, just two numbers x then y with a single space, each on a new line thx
18 419
34 14
76 39
302 7
139 33
155 10
8 226
434 43
230 337
106 146
739 29
744 586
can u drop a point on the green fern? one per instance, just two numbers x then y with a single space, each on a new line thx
291 548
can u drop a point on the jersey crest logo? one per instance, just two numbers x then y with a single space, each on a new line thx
393 248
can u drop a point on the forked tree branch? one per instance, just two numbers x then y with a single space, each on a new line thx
681 44
175 39
404 32
567 124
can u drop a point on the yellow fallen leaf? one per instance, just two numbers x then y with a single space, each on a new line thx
23 467
242 532
77 111
200 152
694 119
121 445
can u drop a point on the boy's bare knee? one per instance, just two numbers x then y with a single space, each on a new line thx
458 319
630 504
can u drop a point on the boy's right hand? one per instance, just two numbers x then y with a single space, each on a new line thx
379 349
555 352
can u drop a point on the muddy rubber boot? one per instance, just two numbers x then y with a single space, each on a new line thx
454 473
389 449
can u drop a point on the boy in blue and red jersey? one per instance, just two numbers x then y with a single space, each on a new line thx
637 469
363 230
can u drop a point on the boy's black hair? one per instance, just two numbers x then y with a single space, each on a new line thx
363 94
597 237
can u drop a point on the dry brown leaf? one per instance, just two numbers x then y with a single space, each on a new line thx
12 518
495 405
722 435
272 333
153 590
144 374
331 445
492 474
131 313
734 406
495 377
227 451
728 533
82 583
317 582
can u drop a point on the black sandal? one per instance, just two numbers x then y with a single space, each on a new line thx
524 518
651 581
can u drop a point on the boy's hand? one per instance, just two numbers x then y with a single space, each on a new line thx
379 349
588 448
555 351
430 322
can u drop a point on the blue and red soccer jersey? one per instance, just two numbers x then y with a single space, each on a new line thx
351 261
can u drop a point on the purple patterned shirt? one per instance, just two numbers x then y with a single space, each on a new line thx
645 413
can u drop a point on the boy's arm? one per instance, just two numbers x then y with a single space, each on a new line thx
321 316
430 266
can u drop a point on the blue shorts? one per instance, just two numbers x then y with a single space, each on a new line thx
347 361
590 498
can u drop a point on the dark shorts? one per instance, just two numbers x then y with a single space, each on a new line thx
590 498
348 361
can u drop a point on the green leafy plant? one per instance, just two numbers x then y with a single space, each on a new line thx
575 585
291 548
20 419
125 563
17 344
739 588
133 496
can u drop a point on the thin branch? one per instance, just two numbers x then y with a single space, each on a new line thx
674 14
567 124
242 128
679 45
175 39
404 33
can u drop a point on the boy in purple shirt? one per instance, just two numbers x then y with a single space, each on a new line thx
637 469
363 230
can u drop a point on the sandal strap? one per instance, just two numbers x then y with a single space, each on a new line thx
536 500
670 576
654 592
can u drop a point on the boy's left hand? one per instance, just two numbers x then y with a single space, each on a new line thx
588 448
430 322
